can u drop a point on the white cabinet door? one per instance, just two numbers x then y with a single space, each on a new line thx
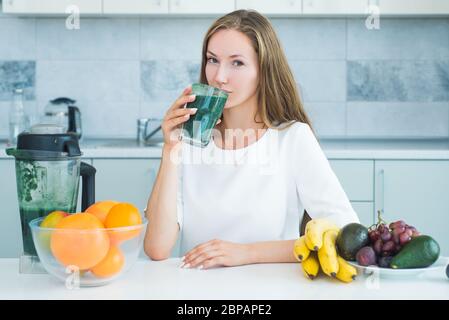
125 180
135 6
416 192
201 6
313 7
356 178
10 229
413 7
271 7
365 212
50 6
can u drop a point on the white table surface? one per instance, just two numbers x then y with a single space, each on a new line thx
165 280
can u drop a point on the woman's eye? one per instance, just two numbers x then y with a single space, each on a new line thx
212 60
237 63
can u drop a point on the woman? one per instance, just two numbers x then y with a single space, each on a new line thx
241 212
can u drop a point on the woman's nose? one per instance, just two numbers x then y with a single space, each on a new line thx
222 75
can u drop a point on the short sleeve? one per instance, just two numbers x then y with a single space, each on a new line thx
179 196
317 185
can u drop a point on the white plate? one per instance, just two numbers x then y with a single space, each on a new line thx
441 263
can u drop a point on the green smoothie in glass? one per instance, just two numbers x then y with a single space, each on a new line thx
209 102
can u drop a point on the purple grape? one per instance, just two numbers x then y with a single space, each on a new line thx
378 246
373 235
397 248
400 223
404 238
398 230
381 228
385 236
409 232
384 262
388 246
396 238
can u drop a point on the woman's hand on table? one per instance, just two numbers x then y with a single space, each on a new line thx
216 253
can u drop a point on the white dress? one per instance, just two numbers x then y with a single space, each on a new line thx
257 193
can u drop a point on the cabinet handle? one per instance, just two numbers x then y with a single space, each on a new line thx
382 190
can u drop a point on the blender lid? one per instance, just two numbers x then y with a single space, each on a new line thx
45 146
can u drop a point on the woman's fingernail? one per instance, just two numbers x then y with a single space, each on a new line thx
182 265
200 267
193 110
183 258
192 96
186 266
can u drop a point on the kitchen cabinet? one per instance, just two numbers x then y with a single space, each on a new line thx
417 192
271 7
51 6
135 6
125 180
413 7
365 212
201 6
335 7
356 178
10 231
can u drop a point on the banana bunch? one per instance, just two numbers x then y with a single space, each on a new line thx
317 250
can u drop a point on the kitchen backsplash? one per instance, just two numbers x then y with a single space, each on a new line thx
355 82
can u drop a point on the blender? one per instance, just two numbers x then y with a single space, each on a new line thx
48 168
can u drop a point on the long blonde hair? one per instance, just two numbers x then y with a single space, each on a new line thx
278 96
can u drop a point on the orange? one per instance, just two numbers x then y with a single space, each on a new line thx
111 264
123 215
80 240
101 209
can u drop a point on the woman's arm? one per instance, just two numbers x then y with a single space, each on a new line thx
162 215
162 229
271 251
218 253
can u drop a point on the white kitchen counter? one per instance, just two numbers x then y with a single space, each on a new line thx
165 280
433 149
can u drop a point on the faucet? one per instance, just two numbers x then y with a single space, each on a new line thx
147 128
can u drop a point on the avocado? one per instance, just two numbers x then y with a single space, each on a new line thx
420 252
351 238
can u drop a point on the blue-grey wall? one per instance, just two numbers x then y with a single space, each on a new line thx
392 82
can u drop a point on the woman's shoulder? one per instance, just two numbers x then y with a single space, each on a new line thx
293 129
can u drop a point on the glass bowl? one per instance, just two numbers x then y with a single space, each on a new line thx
87 257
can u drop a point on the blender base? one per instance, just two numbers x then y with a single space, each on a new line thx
30 265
